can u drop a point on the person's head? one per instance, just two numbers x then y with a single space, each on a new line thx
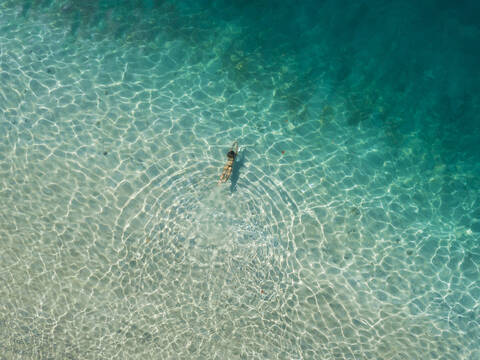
231 154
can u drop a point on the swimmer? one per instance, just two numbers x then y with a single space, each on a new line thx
227 169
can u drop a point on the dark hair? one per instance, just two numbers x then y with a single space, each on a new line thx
231 154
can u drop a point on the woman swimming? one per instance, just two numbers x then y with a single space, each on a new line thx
227 169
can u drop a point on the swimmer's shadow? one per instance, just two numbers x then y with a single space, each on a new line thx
237 165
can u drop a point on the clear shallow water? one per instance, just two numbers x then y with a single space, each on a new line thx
360 241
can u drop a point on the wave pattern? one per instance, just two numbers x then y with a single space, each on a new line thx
349 228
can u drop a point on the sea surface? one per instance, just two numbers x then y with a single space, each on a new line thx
349 228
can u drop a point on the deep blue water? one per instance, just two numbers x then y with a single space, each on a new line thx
349 228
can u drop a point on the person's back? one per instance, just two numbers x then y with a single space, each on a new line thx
228 168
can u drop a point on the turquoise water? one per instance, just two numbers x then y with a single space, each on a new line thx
349 228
